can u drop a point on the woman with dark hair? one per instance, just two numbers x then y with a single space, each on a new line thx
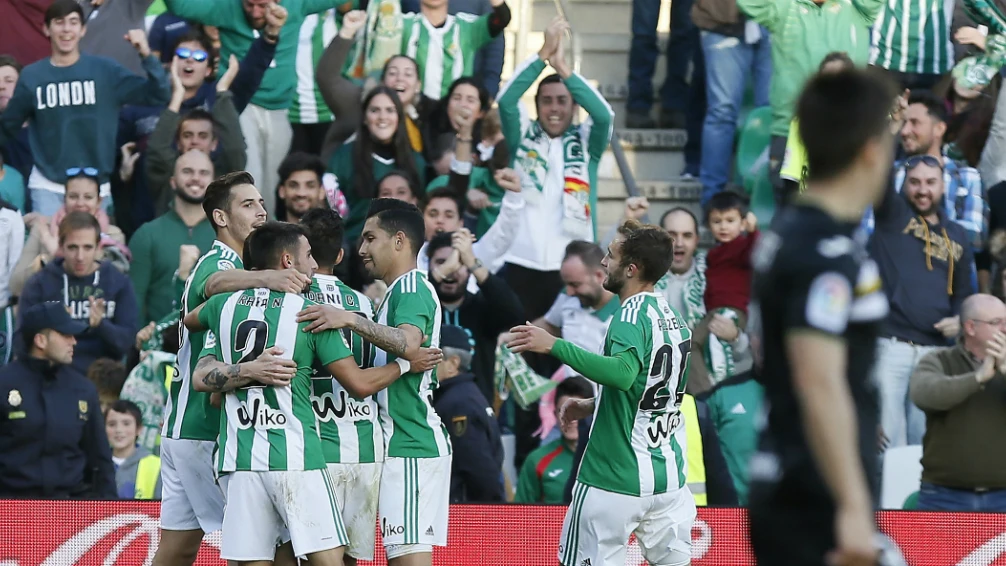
381 144
342 95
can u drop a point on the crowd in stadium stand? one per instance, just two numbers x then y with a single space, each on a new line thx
115 116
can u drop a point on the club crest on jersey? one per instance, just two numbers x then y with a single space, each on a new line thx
328 408
257 414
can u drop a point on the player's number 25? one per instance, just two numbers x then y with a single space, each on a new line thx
656 396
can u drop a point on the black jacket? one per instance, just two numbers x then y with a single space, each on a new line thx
476 469
494 310
52 434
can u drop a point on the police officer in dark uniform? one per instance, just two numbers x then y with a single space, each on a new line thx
52 435
476 469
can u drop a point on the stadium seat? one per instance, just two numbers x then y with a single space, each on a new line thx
902 476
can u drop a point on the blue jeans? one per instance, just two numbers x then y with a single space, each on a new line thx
729 62
643 54
938 498
902 421
48 203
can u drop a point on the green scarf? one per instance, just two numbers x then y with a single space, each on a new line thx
695 288
532 156
512 374
382 39
719 354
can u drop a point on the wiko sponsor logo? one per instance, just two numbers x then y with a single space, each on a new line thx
339 406
388 529
258 414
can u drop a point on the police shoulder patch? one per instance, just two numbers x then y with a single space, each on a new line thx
459 425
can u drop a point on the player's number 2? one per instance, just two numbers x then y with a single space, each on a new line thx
252 334
656 396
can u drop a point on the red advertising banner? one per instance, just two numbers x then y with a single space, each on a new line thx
60 533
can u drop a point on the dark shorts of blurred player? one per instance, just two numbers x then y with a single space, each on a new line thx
790 528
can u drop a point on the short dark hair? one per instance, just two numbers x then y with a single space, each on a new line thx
10 61
78 220
837 57
574 386
589 253
935 106
300 161
727 200
395 216
196 114
839 114
439 241
63 8
442 192
695 220
196 35
125 407
325 230
554 78
218 193
649 247
439 145
107 375
265 244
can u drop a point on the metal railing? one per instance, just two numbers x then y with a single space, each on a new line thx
628 179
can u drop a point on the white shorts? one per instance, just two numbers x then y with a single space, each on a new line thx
261 506
415 496
598 524
190 497
357 487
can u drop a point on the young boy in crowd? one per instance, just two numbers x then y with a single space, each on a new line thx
137 471
728 287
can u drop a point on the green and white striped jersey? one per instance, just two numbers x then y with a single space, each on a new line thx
637 439
412 428
188 413
913 36
350 431
266 428
317 31
446 53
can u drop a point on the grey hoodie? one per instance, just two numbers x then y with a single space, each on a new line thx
125 475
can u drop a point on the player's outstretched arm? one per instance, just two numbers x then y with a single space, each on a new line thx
191 320
819 367
214 376
366 382
281 281
618 371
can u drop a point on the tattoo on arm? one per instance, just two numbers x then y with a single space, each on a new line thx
391 340
220 377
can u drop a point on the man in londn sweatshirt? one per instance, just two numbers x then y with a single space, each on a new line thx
71 102
94 292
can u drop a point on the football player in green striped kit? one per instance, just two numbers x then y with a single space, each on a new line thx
351 434
269 446
632 477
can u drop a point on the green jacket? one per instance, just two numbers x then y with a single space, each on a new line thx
802 34
544 474
236 37
341 165
155 261
733 407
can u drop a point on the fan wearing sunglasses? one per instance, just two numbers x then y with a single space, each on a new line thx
200 109
925 261
71 102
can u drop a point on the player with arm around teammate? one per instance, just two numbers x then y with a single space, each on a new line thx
632 477
269 444
415 482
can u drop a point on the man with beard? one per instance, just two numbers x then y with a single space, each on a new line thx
581 315
300 187
493 309
160 246
632 476
925 263
923 129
